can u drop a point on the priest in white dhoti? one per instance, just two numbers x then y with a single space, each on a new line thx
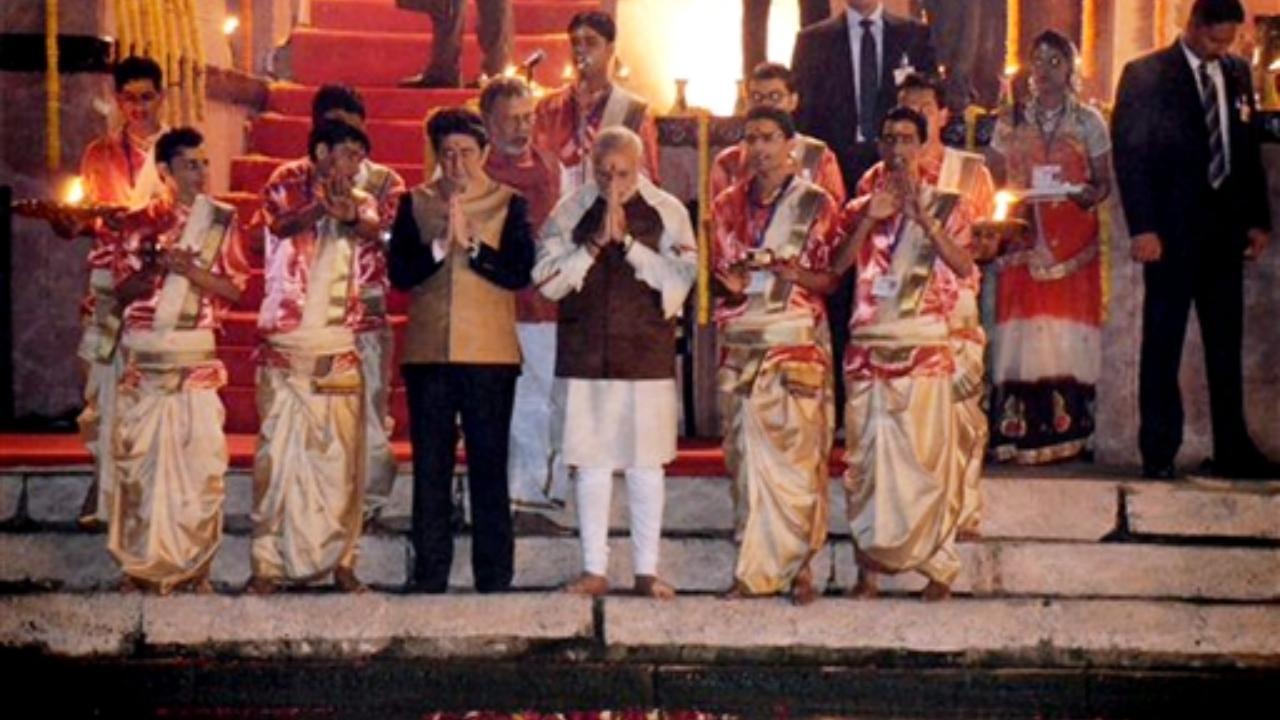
307 484
374 339
118 170
772 247
906 450
178 268
620 256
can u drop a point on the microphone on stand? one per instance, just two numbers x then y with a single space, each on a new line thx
531 62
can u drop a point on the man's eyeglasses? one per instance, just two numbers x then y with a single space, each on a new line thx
1048 61
773 98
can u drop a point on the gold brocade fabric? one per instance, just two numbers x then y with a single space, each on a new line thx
779 417
170 461
375 351
904 483
307 484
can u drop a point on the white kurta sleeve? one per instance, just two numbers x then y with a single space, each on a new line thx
562 265
672 269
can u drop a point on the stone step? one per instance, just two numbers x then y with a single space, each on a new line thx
80 562
692 630
1014 507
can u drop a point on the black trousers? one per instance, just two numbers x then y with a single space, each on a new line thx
1212 279
495 31
755 28
482 395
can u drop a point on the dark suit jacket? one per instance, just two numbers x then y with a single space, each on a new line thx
1161 147
823 68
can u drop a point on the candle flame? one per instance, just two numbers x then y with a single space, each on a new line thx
74 193
230 25
568 71
509 71
1004 199
1011 69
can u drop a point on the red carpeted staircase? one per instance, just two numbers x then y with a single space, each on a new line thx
369 44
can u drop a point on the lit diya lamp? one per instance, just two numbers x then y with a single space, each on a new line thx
995 235
71 210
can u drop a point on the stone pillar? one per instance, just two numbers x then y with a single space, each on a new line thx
49 274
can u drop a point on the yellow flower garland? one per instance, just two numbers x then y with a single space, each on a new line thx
1088 38
167 31
53 88
1013 28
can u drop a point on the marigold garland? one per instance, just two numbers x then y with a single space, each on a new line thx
53 87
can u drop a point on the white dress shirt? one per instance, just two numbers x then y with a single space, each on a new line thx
855 46
1220 84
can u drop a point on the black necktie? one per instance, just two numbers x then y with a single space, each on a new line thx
868 82
1213 119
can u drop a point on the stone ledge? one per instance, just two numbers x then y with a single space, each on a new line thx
10 496
1098 570
1193 510
459 626
71 625
1022 633
75 561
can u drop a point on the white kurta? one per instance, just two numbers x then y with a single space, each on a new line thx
617 423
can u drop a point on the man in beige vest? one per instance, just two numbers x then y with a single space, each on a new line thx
461 245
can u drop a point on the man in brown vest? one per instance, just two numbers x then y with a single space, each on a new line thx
619 255
461 245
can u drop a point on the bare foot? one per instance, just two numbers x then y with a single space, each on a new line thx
935 592
346 581
262 586
588 584
201 587
737 592
802 592
867 588
651 586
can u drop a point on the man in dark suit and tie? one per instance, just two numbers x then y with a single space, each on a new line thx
847 70
1194 194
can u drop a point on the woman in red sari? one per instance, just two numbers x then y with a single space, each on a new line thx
1046 352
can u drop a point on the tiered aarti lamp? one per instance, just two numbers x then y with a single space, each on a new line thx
999 234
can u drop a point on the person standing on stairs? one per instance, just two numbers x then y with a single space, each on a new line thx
307 483
118 169
567 120
908 245
771 85
444 63
537 476
619 256
927 96
772 233
180 265
374 339
461 246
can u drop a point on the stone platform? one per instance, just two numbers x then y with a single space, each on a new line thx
1090 594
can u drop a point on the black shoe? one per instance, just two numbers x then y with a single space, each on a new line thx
1258 468
423 80
1164 471
421 587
